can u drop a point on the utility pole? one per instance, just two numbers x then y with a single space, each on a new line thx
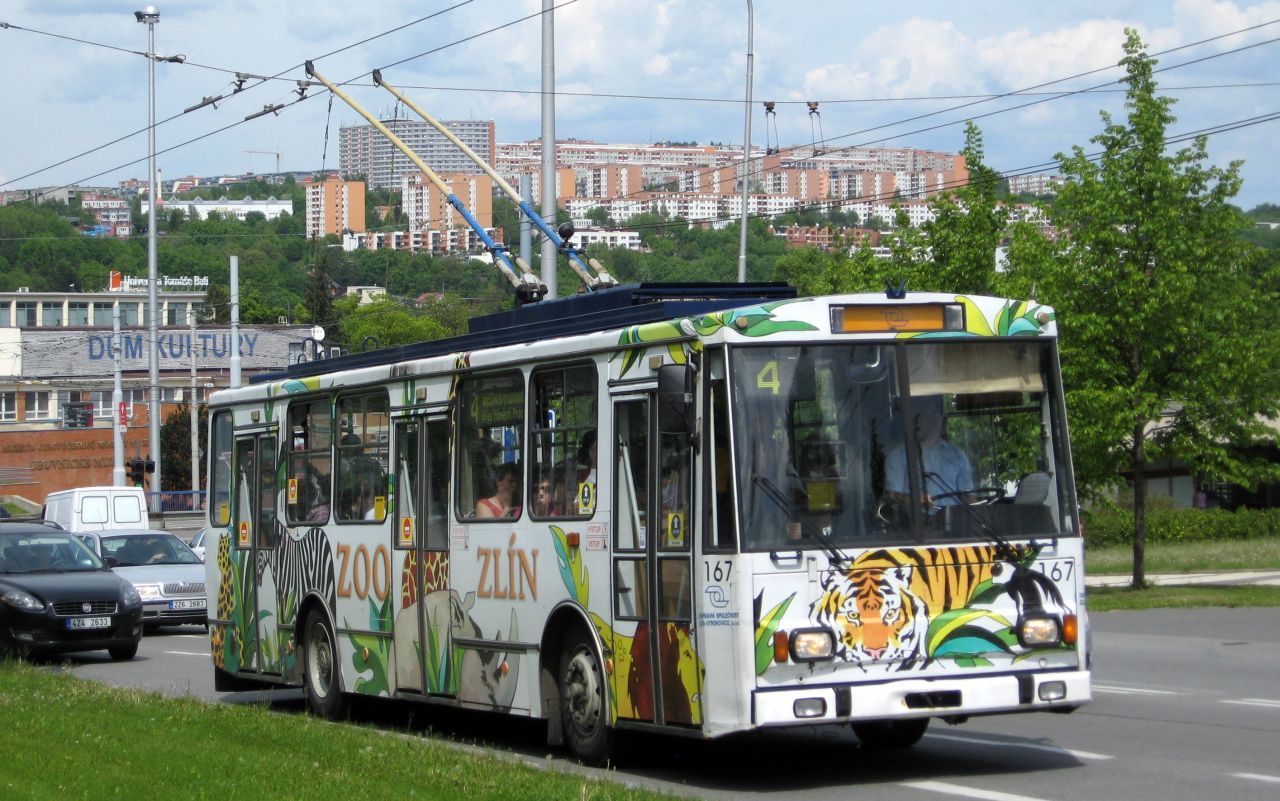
549 143
746 155
118 421
235 321
195 413
149 16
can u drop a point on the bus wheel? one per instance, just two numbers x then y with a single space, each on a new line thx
320 671
888 735
582 701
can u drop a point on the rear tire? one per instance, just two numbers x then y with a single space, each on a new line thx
583 705
890 735
121 653
321 673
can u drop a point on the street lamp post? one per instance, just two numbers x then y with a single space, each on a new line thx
746 155
149 16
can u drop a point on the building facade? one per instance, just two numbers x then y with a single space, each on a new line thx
270 208
56 359
362 150
334 206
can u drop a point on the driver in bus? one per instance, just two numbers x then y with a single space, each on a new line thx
948 476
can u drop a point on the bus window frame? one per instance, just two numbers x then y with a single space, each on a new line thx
573 438
465 437
307 457
346 455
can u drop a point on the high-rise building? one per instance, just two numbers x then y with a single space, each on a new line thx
334 206
363 150
428 208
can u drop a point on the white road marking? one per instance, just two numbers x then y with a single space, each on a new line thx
1267 702
1258 777
1105 688
188 653
968 792
1008 744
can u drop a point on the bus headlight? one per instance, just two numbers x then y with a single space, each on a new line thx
1039 631
812 645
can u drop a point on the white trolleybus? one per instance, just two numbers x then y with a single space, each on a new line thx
694 509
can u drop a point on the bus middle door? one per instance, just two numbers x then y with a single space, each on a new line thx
652 567
424 660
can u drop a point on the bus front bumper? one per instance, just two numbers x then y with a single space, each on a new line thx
917 698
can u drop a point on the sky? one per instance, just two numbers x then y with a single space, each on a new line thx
75 103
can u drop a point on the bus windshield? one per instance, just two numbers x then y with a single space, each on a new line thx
923 441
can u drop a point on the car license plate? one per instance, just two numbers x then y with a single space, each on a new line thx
197 603
89 623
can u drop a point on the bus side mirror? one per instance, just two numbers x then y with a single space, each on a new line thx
675 399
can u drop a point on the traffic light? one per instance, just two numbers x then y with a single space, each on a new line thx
149 466
135 471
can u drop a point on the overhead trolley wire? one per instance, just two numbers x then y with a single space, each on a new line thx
241 75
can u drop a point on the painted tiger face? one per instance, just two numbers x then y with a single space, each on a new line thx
877 619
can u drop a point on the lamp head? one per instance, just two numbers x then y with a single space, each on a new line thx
149 15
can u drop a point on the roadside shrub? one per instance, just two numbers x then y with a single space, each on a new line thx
1115 527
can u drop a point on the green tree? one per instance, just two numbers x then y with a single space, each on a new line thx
956 250
384 323
175 444
1168 338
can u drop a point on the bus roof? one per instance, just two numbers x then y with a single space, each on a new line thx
629 304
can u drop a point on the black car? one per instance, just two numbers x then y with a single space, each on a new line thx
56 595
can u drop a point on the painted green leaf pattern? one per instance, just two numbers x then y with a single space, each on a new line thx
765 628
754 321
572 571
372 652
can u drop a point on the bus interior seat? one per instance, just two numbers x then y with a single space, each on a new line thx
1033 488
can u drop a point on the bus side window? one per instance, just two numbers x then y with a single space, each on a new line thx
365 423
563 413
491 421
310 442
721 534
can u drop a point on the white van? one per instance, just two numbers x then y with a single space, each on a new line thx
98 508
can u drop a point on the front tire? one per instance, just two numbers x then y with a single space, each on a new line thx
122 653
583 705
321 673
890 735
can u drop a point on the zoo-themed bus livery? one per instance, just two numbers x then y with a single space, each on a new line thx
709 523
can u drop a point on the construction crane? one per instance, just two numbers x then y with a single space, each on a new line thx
268 153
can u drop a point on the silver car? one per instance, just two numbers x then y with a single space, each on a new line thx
167 574
197 543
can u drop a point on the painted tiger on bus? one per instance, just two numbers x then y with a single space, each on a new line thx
881 606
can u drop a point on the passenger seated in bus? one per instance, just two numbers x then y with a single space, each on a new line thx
506 498
947 474
543 502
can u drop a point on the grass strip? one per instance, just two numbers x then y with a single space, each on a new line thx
66 738
1108 599
1187 557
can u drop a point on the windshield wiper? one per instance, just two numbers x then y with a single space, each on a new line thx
806 528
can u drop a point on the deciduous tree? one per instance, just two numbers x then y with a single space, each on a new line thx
1169 346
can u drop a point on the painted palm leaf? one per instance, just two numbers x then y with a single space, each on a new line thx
957 624
765 628
572 571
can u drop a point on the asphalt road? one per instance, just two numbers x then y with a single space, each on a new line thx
1186 706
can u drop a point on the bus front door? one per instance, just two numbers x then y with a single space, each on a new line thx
652 569
423 659
256 533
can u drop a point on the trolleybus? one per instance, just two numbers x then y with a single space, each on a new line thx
694 509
